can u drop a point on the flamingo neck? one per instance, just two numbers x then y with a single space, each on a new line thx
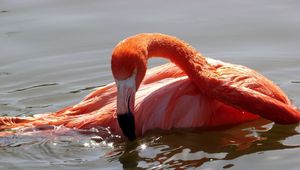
136 50
180 53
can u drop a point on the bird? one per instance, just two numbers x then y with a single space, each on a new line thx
191 91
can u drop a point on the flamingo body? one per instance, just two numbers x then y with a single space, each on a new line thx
157 107
175 97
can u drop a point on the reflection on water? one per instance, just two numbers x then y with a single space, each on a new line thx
177 149
182 149
53 53
48 145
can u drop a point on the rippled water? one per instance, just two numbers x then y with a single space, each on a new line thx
53 53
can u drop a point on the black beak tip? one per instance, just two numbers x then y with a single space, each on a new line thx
127 125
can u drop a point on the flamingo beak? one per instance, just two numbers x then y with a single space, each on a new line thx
127 124
125 107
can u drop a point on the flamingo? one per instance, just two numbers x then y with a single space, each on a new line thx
192 91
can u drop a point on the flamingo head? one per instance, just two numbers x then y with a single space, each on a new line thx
128 67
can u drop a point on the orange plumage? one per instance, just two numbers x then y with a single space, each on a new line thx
198 92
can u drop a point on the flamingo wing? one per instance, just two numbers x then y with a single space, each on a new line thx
167 99
247 90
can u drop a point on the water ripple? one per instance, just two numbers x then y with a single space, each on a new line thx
84 89
33 87
5 73
295 81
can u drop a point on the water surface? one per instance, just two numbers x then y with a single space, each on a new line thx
53 53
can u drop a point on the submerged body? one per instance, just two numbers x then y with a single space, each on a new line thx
166 99
174 97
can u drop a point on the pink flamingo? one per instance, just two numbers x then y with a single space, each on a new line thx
195 92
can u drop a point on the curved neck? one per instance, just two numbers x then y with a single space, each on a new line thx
179 52
136 50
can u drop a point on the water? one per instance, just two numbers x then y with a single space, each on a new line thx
53 53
